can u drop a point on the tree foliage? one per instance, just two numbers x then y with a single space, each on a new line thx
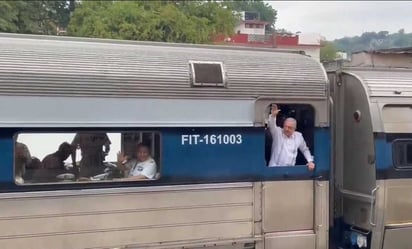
34 17
374 40
283 31
328 52
8 16
168 21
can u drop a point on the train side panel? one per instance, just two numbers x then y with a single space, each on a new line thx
372 183
208 105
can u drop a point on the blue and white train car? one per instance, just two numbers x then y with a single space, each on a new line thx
372 159
202 110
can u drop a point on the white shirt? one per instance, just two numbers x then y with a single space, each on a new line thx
146 168
284 148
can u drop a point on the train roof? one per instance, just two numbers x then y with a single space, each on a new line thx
384 82
70 66
387 91
55 81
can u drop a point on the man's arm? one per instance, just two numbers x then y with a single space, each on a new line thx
306 152
123 163
275 131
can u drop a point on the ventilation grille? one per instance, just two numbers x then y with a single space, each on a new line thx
207 74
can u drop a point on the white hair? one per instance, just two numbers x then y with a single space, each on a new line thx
291 120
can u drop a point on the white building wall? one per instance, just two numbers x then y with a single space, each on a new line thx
313 52
313 39
243 30
309 39
308 43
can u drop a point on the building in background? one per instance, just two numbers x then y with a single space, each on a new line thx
250 24
310 43
392 57
380 58
251 32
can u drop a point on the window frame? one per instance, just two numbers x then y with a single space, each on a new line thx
395 161
310 144
56 130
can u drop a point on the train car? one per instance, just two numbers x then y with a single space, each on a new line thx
200 110
372 124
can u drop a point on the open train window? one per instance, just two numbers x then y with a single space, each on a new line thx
90 156
305 124
402 153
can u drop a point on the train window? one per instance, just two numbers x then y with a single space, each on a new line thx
402 153
86 157
304 115
207 74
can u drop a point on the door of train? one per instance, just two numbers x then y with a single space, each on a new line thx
295 198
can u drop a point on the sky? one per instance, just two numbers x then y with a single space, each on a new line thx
337 19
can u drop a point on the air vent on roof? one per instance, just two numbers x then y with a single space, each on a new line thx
207 74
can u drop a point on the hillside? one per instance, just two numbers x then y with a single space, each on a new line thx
373 40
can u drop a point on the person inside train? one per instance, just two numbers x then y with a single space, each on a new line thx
56 159
141 168
91 147
286 142
22 158
32 168
53 164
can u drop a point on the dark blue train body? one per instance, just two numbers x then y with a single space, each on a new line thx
207 163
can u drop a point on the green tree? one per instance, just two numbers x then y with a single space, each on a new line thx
328 51
283 31
61 11
8 16
177 26
169 21
34 17
37 17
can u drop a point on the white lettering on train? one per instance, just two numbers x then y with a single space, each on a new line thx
212 139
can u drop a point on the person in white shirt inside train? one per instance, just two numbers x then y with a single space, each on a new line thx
143 167
286 142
